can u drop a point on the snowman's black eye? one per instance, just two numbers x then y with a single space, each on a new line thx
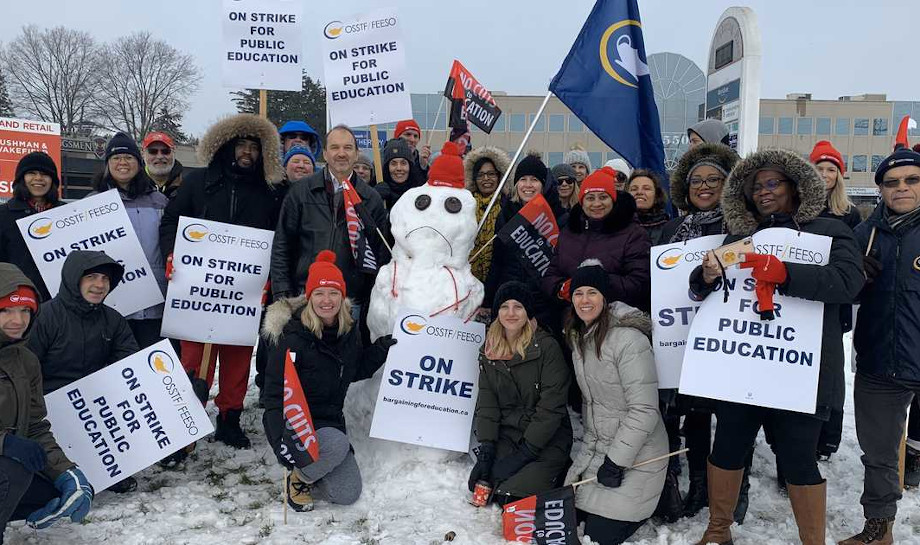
422 202
453 205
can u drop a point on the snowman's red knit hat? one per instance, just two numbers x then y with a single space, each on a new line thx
447 168
324 274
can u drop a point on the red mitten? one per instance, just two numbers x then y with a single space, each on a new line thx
764 291
169 267
765 267
564 290
265 292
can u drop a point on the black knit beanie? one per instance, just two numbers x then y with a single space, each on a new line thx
396 148
122 143
37 161
518 291
531 166
591 273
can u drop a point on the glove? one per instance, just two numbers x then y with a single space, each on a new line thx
75 500
765 267
511 464
482 471
169 267
265 291
872 265
26 451
199 387
765 306
610 474
386 342
564 290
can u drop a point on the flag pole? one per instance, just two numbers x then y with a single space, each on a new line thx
484 246
436 117
517 154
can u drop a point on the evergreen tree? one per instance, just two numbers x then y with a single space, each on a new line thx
308 105
6 105
170 123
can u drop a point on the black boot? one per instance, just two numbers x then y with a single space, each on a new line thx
698 495
742 506
124 486
912 468
229 431
670 506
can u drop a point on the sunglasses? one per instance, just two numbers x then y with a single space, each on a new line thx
159 151
566 181
892 183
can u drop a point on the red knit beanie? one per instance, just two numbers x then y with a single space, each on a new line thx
825 151
603 179
402 126
324 274
447 168
24 296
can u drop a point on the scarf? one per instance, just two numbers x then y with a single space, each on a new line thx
694 223
483 261
40 207
652 218
901 222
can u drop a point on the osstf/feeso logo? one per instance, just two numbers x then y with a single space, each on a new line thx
40 228
161 362
194 232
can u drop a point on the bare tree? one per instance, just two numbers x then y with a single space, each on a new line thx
142 78
52 74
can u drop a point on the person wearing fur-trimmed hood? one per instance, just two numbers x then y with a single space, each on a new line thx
483 169
777 188
241 185
328 354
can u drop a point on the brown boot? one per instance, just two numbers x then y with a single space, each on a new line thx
875 532
809 505
724 486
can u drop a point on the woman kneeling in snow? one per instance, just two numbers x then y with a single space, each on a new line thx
615 370
328 355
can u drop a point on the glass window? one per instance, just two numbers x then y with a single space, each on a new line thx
823 126
499 124
611 155
805 125
541 123
517 123
845 162
419 102
766 125
876 161
859 163
879 127
556 123
861 126
575 124
785 125
843 126
597 159
555 157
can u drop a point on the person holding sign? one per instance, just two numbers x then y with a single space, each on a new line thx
777 188
38 481
521 419
36 188
124 171
615 369
318 330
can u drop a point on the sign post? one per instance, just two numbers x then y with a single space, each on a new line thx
20 137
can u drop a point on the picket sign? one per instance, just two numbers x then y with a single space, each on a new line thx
634 466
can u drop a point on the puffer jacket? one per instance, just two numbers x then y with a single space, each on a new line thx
524 400
223 192
887 335
621 418
13 248
310 223
73 338
325 366
502 163
618 241
835 284
22 401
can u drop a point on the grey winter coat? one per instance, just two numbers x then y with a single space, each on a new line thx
621 419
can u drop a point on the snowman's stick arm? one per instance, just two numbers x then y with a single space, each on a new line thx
484 246
517 155
384 240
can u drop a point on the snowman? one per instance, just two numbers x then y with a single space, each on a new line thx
434 228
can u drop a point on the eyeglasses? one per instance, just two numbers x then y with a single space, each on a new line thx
892 183
710 182
123 158
768 185
159 151
487 175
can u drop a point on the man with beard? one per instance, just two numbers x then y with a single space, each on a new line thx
161 164
241 186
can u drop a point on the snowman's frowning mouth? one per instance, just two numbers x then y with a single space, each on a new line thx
449 245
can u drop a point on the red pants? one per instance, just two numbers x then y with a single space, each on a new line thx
234 370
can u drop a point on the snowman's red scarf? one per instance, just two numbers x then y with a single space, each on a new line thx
457 300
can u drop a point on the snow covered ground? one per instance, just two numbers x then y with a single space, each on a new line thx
225 496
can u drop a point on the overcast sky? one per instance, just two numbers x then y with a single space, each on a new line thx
828 48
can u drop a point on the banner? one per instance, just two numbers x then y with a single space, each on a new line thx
127 416
544 519
365 69
97 223
219 274
298 438
356 223
470 100
262 44
430 382
732 355
672 307
20 137
533 232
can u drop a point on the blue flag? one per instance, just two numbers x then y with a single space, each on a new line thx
605 81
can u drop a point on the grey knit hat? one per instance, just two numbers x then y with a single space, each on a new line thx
578 156
563 170
364 159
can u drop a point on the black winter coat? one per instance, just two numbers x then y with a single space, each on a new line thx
13 248
73 338
887 336
851 218
308 224
671 227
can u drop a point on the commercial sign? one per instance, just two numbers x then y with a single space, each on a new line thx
20 137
